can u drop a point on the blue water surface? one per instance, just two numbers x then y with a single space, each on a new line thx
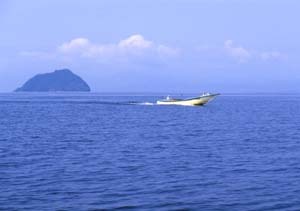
78 151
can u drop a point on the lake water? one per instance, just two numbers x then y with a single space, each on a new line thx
97 152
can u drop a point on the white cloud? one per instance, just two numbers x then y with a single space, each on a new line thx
78 44
238 52
243 55
135 45
135 41
84 48
133 48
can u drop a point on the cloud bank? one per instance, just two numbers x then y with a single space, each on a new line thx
242 54
134 45
136 48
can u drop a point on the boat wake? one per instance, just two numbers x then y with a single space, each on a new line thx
142 103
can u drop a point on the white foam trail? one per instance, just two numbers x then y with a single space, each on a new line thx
144 103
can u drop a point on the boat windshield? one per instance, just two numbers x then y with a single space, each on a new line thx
206 94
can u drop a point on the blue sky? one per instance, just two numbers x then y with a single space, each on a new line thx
154 46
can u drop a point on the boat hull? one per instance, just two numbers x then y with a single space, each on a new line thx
198 101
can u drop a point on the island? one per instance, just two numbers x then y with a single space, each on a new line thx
59 80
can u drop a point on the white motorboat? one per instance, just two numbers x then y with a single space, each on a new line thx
195 101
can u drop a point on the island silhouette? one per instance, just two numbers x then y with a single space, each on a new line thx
59 80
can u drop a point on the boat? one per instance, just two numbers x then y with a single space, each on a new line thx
195 101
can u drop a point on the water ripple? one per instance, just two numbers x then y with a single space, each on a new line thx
92 152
